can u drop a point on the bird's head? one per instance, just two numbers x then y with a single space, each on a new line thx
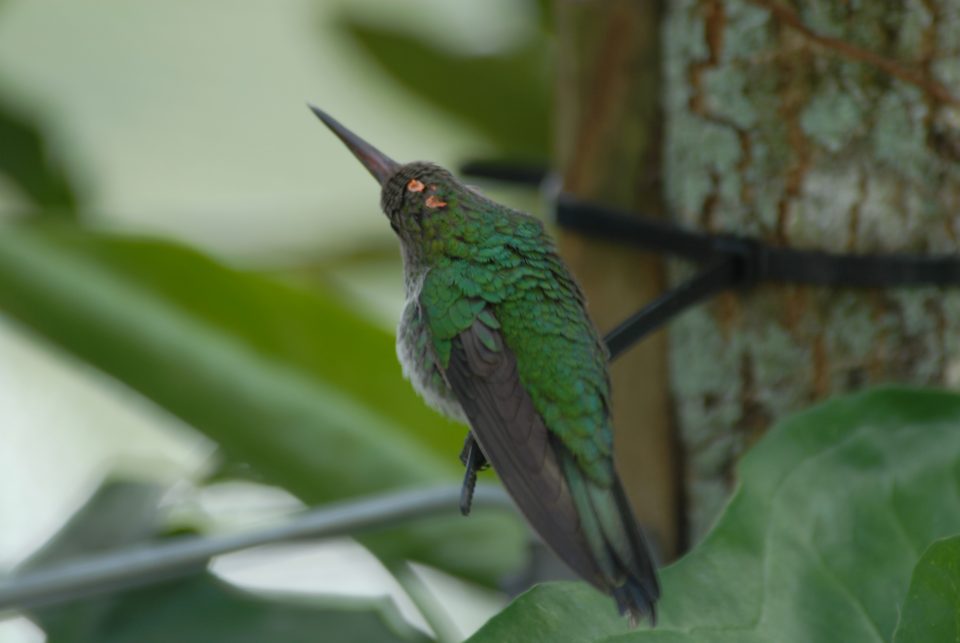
412 194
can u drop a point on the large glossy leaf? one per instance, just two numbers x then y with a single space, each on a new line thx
502 95
558 611
833 510
27 162
197 608
932 609
286 380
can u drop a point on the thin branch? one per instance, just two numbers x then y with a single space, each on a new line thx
156 563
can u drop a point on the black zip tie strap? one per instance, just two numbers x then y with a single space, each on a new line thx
713 279
528 174
738 262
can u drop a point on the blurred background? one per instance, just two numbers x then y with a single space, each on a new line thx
199 272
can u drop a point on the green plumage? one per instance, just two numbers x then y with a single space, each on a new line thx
492 259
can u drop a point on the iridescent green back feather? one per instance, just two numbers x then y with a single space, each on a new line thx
488 261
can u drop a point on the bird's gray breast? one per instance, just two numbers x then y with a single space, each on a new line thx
417 359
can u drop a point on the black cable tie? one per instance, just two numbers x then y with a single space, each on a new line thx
517 173
716 277
749 259
655 235
763 263
735 261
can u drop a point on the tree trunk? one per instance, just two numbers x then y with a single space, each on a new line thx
608 149
828 125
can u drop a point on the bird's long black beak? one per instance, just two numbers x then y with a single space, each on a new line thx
377 163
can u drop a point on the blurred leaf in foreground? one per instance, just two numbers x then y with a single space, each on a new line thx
932 610
832 512
503 95
28 164
291 382
202 608
199 608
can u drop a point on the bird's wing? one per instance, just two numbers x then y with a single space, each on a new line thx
482 371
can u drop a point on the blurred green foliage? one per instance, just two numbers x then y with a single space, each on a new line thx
28 164
198 608
287 380
296 388
833 510
503 95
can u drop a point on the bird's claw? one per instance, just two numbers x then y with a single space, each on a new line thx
473 459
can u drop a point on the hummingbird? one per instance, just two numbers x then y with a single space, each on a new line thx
494 333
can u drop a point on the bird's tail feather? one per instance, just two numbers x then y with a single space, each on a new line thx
641 589
615 542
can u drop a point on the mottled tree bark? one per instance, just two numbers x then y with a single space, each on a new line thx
609 143
819 124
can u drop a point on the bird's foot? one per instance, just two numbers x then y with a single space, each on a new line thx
473 459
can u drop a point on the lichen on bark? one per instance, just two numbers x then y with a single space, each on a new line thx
818 124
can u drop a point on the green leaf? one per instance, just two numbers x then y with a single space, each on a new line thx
119 513
27 162
545 15
198 608
203 609
287 380
504 96
543 614
932 610
818 543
